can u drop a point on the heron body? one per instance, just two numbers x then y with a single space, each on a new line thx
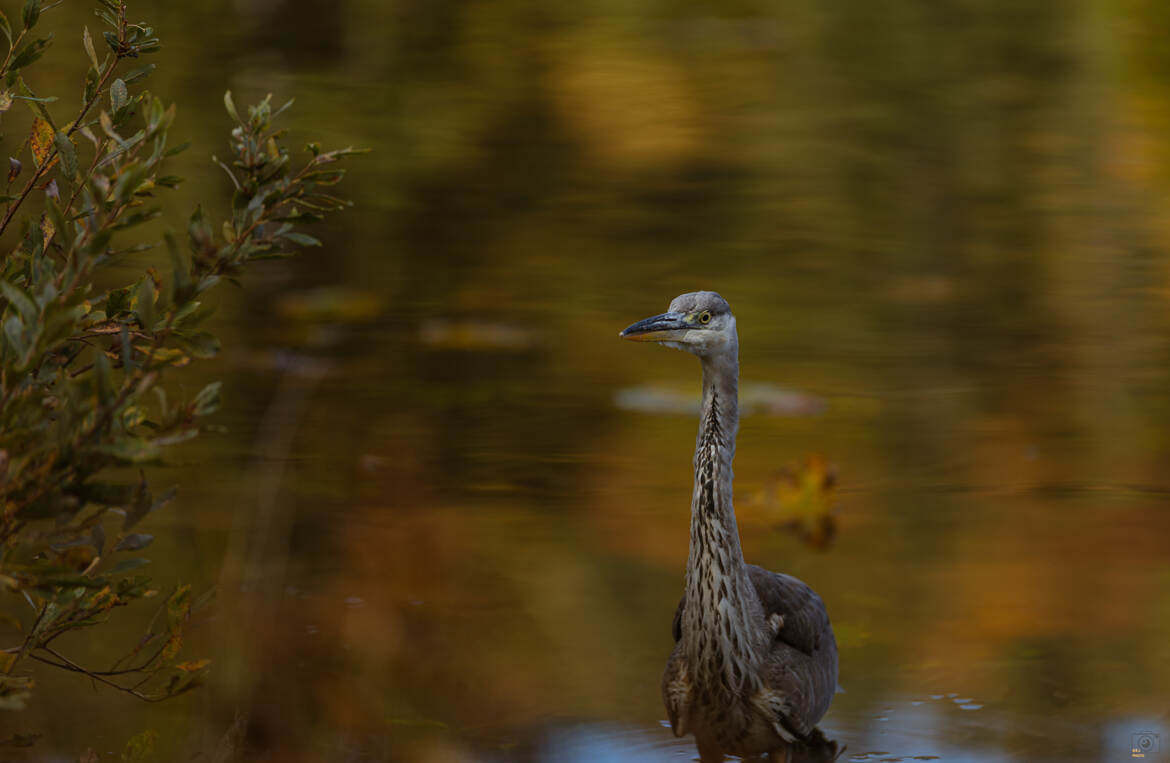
754 666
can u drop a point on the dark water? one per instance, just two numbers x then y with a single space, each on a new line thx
441 530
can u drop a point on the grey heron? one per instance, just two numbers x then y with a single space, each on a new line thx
754 666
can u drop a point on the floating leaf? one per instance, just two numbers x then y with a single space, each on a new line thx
141 747
802 499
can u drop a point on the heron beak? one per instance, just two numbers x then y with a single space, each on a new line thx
668 327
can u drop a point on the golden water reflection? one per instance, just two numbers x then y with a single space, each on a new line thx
438 538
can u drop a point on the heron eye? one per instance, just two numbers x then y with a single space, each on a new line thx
704 317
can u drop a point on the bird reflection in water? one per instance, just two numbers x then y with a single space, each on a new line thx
817 748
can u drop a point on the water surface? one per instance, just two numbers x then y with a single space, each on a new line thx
438 533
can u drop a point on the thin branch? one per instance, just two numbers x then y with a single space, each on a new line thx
66 664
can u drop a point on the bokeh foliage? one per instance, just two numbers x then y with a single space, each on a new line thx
84 407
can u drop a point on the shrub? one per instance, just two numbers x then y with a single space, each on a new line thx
83 369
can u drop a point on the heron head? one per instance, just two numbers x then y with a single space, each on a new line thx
699 322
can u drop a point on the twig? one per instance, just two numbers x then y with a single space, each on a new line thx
41 170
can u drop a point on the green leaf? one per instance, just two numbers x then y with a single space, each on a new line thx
32 12
126 565
128 363
208 399
132 450
199 233
302 239
325 177
87 41
144 303
6 28
29 53
105 383
118 95
134 542
119 301
57 218
230 105
128 182
143 505
140 73
181 287
14 333
200 344
178 149
68 155
90 93
32 101
20 299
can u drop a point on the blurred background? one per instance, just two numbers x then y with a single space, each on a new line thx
448 517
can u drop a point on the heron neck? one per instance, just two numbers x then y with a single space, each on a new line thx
723 612
711 504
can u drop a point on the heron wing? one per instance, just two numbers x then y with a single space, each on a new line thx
805 620
802 664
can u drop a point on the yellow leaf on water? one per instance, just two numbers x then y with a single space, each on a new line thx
40 140
194 665
801 499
